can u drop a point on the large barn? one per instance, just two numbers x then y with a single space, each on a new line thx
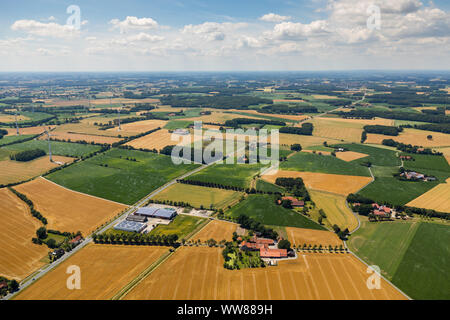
154 212
131 226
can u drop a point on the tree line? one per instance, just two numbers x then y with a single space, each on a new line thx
386 130
306 129
27 155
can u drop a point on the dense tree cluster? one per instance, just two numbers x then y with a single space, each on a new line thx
217 101
251 224
386 130
27 155
306 129
237 122
3 132
134 238
396 115
436 127
287 109
408 148
296 186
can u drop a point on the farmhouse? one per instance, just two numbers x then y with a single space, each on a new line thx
131 226
412 175
76 241
295 202
155 212
272 253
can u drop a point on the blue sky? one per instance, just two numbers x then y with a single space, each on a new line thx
224 35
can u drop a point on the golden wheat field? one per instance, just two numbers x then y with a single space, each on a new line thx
350 155
299 117
305 141
340 130
300 236
19 257
335 183
105 269
68 210
29 130
15 171
437 198
217 230
335 208
219 117
415 137
197 273
134 128
85 127
158 140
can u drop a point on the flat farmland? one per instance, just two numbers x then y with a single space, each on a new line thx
105 269
335 183
437 198
197 273
217 230
82 137
85 127
58 148
200 196
111 176
335 208
305 141
96 102
350 155
16 171
19 257
281 116
300 236
29 130
415 137
135 128
363 122
6 118
67 210
157 140
219 117
304 161
340 130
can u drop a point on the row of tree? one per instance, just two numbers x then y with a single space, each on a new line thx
306 129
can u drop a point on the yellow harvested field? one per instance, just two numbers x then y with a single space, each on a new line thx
342 129
217 230
350 155
82 137
323 96
96 102
335 183
287 139
68 210
86 127
415 137
335 208
11 118
288 100
16 171
197 273
325 153
19 257
375 121
282 116
437 198
158 140
300 236
105 270
29 130
134 128
198 196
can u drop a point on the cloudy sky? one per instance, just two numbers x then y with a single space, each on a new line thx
187 35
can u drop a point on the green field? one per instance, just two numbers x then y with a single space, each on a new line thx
431 165
263 209
122 180
177 124
182 226
199 197
238 175
11 139
377 156
303 161
58 148
265 186
413 255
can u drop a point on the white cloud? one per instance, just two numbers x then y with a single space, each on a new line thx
211 31
134 23
50 29
292 30
272 17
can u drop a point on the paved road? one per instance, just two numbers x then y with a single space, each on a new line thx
40 273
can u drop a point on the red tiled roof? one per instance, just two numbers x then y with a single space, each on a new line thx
77 238
272 253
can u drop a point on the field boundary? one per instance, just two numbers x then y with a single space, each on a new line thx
82 193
